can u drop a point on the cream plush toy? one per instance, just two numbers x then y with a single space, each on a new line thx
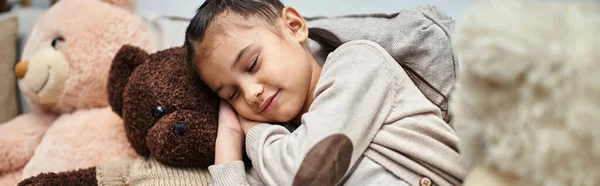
64 75
527 101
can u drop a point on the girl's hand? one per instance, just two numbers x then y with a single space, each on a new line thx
230 138
246 124
228 120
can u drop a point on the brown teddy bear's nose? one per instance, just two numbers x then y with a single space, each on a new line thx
21 69
180 128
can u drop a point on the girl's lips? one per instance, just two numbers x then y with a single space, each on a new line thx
269 103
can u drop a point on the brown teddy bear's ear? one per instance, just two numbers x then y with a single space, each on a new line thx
126 60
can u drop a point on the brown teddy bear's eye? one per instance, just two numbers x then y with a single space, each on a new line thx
158 112
57 41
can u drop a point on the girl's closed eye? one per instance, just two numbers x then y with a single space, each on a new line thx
251 69
233 94
253 65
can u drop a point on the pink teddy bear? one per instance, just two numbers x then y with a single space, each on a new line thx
64 75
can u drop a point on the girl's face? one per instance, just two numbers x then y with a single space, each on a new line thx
266 75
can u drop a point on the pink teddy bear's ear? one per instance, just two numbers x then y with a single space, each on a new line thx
129 5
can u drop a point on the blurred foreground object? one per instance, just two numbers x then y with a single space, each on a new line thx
527 99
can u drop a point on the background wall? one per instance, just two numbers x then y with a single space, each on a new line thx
186 8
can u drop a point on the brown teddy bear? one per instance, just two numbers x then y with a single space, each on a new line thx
170 119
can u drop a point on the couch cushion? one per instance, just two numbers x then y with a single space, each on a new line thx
8 58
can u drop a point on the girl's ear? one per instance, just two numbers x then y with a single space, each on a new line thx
295 23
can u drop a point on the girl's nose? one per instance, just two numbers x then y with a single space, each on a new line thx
252 93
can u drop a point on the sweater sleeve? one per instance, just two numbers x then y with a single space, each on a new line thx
114 173
233 173
228 174
351 102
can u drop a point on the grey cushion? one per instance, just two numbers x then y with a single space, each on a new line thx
418 39
8 58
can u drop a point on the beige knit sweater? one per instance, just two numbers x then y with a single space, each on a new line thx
149 172
365 106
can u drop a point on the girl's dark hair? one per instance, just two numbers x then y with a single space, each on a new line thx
266 9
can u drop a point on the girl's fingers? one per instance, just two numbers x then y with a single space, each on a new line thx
246 124
228 119
226 109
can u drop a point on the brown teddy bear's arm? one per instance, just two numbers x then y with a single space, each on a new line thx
78 177
113 173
